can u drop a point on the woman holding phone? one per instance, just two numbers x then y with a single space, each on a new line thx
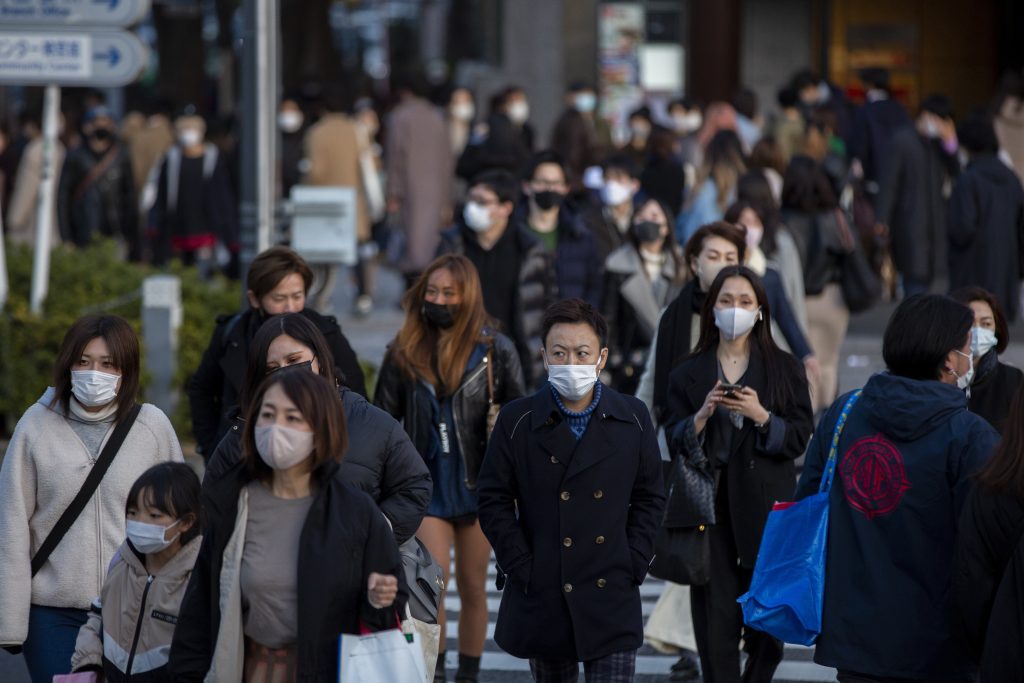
742 403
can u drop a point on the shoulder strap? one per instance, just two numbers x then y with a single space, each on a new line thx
92 481
96 172
830 464
490 375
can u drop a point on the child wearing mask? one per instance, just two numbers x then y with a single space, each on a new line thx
128 634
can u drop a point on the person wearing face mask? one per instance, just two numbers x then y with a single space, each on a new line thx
610 220
46 597
556 221
685 119
131 622
291 122
440 376
386 465
292 556
740 405
580 136
570 498
641 277
994 382
640 127
459 114
96 197
508 141
520 281
195 208
911 199
906 462
277 282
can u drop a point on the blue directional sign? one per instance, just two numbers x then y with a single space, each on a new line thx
84 57
107 13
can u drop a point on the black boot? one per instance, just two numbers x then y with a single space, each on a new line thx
439 669
469 669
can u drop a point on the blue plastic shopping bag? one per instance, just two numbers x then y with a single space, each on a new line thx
788 586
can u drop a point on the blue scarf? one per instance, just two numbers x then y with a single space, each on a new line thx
578 421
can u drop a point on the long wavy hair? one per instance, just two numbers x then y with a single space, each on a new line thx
423 351
784 374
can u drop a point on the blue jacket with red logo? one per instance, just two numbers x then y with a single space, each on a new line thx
903 471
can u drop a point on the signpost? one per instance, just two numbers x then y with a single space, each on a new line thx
65 42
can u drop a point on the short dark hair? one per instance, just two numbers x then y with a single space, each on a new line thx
939 105
787 98
921 333
727 231
805 78
320 405
875 77
966 295
574 311
172 488
977 134
123 345
273 265
546 156
744 101
500 182
806 187
301 329
621 162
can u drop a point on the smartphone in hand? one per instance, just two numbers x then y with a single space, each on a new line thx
730 390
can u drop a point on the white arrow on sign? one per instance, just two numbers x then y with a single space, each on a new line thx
95 58
46 13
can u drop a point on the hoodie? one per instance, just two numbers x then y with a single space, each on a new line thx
984 223
903 471
44 468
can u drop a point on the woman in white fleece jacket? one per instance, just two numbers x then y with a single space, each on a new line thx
56 442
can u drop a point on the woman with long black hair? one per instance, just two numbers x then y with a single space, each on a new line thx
742 404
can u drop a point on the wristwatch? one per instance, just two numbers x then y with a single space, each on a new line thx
763 427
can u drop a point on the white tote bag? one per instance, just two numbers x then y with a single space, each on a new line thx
382 656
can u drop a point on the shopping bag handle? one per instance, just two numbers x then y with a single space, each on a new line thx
830 464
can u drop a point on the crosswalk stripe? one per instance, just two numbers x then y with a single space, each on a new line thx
797 667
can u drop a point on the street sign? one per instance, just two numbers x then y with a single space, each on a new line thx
38 13
72 57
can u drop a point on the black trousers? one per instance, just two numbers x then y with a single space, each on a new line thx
717 618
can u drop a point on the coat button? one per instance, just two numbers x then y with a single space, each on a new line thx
750 466
599 494
567 542
604 416
567 588
554 460
599 540
550 421
601 583
565 495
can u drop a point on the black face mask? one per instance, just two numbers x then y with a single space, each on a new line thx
647 231
548 199
102 134
304 365
438 314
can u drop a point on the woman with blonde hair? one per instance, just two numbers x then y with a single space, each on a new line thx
715 188
442 373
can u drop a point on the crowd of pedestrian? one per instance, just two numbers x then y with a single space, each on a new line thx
580 322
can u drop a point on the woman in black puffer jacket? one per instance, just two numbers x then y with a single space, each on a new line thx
435 380
381 460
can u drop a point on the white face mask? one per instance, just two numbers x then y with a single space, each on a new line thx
585 102
733 323
518 112
706 275
463 111
754 235
572 381
93 388
190 137
983 340
283 447
614 193
477 216
149 538
963 382
687 123
289 121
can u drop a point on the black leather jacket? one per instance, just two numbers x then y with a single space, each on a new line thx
409 401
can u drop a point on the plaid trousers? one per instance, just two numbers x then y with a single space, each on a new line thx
617 667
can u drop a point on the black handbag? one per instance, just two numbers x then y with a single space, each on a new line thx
424 579
861 286
681 551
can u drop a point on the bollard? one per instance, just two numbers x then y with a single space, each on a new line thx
161 319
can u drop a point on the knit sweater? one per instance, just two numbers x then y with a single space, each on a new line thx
44 468
578 420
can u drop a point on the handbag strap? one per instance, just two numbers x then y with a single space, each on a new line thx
830 464
92 481
490 377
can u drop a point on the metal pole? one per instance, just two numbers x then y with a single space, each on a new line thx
4 287
45 206
259 95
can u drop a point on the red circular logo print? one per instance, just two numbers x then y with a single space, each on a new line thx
873 476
